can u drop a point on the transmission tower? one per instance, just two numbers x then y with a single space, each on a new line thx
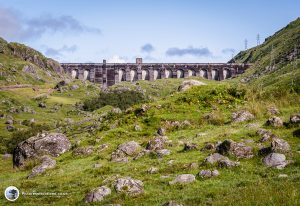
258 39
246 44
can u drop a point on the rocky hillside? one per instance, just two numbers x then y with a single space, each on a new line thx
20 64
275 62
173 142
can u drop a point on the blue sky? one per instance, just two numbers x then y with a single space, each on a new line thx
157 30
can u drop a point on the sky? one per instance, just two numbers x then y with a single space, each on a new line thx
159 31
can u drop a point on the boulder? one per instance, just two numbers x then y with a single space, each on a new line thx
161 131
208 173
295 118
124 150
275 121
228 163
187 84
241 116
183 179
190 146
47 163
240 150
162 152
84 151
97 194
214 158
53 144
276 160
279 145
129 186
157 143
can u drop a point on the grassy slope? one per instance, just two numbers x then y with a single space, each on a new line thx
250 184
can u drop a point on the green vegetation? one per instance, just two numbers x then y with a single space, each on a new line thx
199 115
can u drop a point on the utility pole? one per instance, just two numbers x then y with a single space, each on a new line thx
258 39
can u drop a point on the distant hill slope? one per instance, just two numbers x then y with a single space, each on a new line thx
20 64
276 61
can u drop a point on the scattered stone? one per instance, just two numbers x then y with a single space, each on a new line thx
116 110
130 186
47 163
208 173
157 143
295 118
276 160
53 144
279 145
208 146
83 151
190 146
282 175
192 165
188 84
273 110
9 121
172 203
162 152
164 176
152 170
74 87
97 194
10 128
171 162
214 158
228 163
241 116
240 150
161 132
126 149
137 128
42 105
252 125
183 179
275 122
265 135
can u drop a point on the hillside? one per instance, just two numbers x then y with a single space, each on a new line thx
235 142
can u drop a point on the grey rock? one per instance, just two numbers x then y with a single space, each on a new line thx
97 194
162 152
295 118
183 179
214 158
228 163
273 110
241 116
187 84
130 186
276 160
279 145
126 149
208 146
157 143
190 146
240 150
137 128
152 170
208 173
9 121
83 151
53 144
275 121
265 135
74 87
47 163
161 132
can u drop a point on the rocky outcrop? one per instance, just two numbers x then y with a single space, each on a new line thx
241 116
183 179
129 186
124 150
240 150
275 121
47 163
97 194
187 84
53 144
